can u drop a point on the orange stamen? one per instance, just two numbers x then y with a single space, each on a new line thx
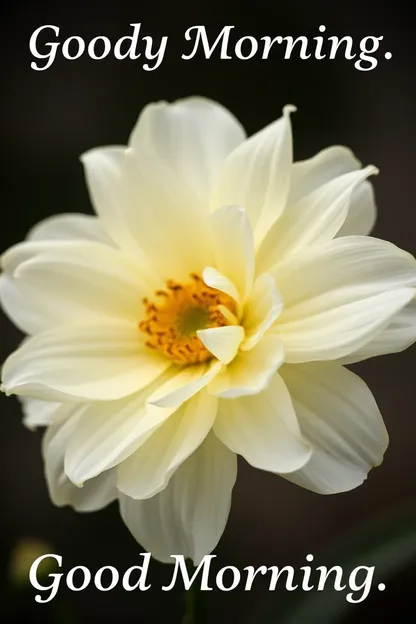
171 324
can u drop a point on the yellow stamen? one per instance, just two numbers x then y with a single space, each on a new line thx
181 310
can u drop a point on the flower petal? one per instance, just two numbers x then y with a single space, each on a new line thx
71 226
90 362
107 432
212 277
399 334
166 219
261 310
96 494
338 297
313 220
257 175
148 470
105 177
264 429
188 517
250 371
182 386
22 252
233 245
362 214
193 136
147 211
335 332
222 342
351 267
308 175
22 307
82 280
38 413
339 417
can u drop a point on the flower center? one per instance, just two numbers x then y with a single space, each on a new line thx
180 310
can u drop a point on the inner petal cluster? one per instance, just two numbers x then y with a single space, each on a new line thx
179 311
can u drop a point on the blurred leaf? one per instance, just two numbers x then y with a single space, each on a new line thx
388 544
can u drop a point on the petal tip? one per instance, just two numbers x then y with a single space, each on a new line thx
7 391
288 109
372 170
85 156
73 477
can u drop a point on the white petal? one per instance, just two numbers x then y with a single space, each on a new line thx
193 137
338 297
182 386
71 226
212 277
90 362
80 281
189 516
148 470
222 342
314 220
351 267
362 213
105 177
38 413
96 494
233 245
250 371
399 334
166 219
264 429
309 175
21 302
22 306
257 175
147 211
261 310
27 250
106 433
339 417
49 283
335 332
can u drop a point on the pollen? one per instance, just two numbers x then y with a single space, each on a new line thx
178 312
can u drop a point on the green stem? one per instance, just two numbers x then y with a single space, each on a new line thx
194 612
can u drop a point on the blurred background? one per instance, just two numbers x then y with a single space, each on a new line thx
49 118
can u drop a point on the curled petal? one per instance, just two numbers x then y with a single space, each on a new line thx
222 342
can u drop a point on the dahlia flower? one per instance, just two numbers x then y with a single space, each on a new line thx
207 311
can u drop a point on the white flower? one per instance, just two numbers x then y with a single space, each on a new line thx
207 312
